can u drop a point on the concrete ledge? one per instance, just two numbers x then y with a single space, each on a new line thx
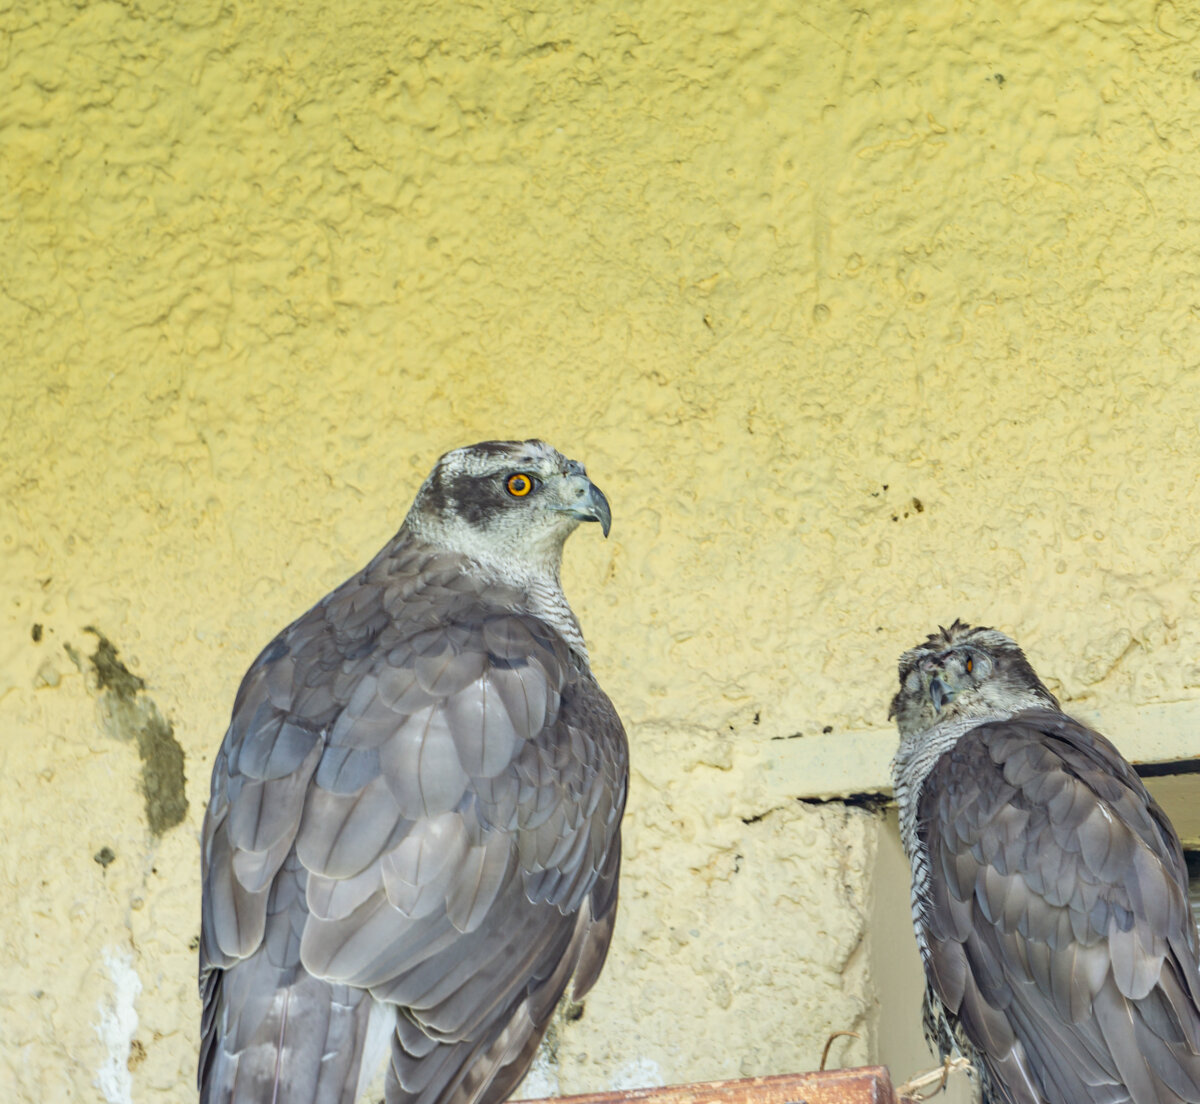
838 764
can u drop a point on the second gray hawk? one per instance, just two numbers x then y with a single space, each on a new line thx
1049 890
413 836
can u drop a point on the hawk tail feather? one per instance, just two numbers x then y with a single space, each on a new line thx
297 1044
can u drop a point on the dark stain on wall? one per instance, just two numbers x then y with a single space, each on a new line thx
130 713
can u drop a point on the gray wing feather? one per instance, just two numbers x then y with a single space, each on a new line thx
342 834
417 803
337 898
1058 936
421 766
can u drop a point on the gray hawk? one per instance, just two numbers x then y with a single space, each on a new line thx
413 834
1049 891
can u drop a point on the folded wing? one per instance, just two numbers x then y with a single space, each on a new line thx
1057 929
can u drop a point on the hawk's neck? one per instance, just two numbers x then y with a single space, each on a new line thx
537 584
915 758
547 601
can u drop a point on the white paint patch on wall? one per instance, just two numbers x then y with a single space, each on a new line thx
118 1023
541 1082
641 1073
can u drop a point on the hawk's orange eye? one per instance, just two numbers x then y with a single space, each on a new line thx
519 485
970 665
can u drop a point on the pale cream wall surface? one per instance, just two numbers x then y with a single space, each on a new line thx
864 317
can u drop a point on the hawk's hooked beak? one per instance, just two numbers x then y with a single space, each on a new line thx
586 502
940 693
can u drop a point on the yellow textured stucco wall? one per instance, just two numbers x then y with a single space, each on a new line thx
864 317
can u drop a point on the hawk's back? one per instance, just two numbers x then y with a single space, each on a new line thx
415 810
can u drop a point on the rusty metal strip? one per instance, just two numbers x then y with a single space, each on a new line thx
864 1085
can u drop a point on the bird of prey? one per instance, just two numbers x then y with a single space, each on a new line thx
413 831
1049 890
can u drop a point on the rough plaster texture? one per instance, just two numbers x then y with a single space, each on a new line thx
864 317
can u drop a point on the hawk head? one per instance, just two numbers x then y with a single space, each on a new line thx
509 504
962 672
